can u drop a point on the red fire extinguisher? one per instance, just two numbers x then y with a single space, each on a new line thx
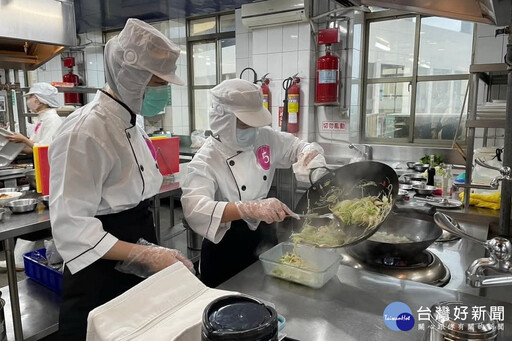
267 96
293 106
327 78
70 77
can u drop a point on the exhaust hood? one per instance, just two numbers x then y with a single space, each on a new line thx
493 12
33 31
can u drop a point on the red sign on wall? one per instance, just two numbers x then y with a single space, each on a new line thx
334 126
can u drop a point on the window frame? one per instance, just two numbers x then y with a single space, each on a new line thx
204 39
413 80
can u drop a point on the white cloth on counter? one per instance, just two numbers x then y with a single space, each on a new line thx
100 164
167 306
47 125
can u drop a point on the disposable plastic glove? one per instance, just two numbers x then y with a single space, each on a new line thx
310 152
269 210
146 258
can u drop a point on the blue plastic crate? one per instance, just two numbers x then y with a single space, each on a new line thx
43 274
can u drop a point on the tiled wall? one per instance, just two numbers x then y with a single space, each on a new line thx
489 49
281 51
285 50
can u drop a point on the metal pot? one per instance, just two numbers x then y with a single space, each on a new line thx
347 178
409 177
420 167
424 189
421 232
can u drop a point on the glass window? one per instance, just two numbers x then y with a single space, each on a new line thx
388 110
205 64
438 84
201 103
227 23
438 106
445 46
203 26
228 57
391 48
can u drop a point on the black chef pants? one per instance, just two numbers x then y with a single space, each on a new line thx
239 248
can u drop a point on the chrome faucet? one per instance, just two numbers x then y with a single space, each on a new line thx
367 153
488 271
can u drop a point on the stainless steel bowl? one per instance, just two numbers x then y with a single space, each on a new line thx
22 205
405 187
401 194
8 189
31 176
424 189
45 199
409 177
420 167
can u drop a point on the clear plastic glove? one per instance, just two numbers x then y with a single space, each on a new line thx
269 210
146 258
310 152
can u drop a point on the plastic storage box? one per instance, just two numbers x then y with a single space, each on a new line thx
322 264
41 273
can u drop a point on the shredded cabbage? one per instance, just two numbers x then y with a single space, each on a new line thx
294 260
324 236
367 212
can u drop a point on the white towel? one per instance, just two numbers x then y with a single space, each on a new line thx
166 306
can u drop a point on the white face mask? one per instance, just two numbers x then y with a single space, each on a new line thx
33 104
246 137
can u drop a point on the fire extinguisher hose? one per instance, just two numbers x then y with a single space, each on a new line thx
287 84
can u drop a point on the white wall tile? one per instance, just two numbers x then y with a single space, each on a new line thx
289 64
275 65
259 41
290 38
260 64
242 45
303 64
176 97
275 39
241 63
305 86
304 36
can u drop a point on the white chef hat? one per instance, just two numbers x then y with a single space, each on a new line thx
133 56
244 99
45 93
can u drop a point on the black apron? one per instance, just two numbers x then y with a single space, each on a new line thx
99 282
239 248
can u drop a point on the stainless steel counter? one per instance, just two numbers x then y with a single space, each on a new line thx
351 305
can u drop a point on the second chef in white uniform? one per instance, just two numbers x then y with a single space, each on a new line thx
225 192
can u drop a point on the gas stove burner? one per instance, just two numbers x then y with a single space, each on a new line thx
425 267
421 260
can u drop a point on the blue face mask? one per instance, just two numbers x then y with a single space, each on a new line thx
246 137
155 100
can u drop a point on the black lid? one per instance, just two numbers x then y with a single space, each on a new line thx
237 317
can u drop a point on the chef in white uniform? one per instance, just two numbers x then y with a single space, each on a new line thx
225 192
103 173
42 99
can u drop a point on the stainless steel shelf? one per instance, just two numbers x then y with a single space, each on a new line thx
495 123
39 310
486 68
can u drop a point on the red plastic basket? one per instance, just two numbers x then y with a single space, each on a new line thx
43 274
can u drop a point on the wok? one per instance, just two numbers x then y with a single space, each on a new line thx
349 178
422 234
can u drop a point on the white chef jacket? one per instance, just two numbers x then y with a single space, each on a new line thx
100 164
48 123
216 177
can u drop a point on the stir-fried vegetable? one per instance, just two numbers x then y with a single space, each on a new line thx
324 236
367 211
294 260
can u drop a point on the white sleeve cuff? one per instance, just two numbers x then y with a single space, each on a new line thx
217 230
91 255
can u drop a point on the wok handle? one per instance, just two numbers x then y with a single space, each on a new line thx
443 221
315 168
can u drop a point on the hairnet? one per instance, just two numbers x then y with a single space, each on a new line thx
45 93
133 56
